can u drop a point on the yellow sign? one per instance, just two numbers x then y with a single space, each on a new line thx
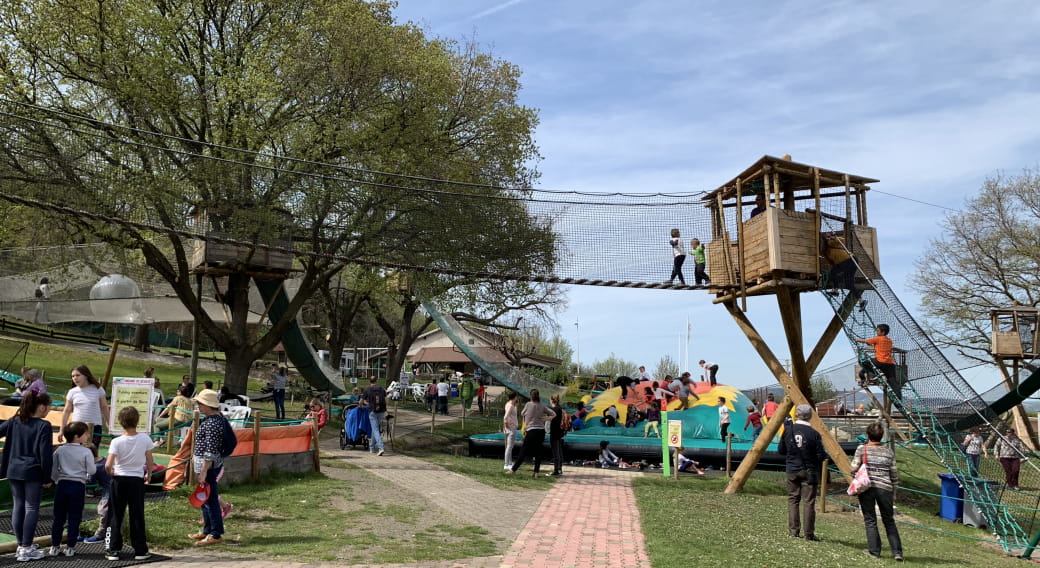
136 392
674 433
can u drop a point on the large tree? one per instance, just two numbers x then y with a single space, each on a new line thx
274 119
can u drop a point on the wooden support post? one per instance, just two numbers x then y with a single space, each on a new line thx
107 380
169 437
791 388
825 478
759 446
314 444
817 219
194 439
729 455
254 472
740 246
433 415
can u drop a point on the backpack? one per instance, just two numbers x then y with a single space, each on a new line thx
565 422
39 292
230 441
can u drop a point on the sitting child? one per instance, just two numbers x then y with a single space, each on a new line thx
684 463
577 423
633 417
607 458
610 416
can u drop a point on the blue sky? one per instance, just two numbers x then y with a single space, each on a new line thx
661 96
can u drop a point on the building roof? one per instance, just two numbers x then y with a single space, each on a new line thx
801 174
453 355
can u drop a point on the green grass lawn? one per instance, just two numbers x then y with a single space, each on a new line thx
750 528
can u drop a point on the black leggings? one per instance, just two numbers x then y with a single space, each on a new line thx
532 448
677 269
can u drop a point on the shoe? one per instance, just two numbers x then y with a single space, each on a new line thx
144 556
508 466
198 536
111 555
871 554
210 540
28 553
380 452
54 551
226 510
94 539
897 557
69 551
813 538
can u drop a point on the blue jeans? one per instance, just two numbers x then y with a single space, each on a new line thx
26 511
212 522
68 504
279 403
973 464
374 420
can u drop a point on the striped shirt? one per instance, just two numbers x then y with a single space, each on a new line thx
881 465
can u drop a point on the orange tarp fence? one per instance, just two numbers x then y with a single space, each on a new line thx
273 440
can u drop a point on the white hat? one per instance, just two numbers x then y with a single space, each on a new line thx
208 398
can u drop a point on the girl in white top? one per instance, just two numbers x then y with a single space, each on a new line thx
678 257
86 403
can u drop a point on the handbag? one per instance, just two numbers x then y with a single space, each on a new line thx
860 481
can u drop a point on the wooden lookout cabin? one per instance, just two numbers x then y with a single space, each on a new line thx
770 222
212 257
1015 333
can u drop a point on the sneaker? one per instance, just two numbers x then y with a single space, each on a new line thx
111 555
210 540
508 466
69 551
380 452
54 551
871 554
813 538
226 510
144 556
94 539
897 557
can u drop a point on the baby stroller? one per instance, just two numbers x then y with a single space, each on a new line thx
356 428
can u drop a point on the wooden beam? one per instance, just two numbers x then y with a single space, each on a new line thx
791 316
830 443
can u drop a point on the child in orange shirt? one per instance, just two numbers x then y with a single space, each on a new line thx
882 360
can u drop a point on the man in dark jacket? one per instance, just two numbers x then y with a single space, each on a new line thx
804 450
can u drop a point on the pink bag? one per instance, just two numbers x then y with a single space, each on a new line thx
860 481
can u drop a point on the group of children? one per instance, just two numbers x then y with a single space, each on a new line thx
679 257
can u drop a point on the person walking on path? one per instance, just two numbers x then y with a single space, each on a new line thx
279 378
535 415
443 390
85 402
804 453
207 460
881 467
510 427
973 450
27 463
375 398
1010 452
556 434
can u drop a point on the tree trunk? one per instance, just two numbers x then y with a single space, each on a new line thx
236 370
141 338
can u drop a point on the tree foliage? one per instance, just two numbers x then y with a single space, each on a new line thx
267 111
615 366
666 366
987 258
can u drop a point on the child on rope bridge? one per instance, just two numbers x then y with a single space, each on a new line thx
678 257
